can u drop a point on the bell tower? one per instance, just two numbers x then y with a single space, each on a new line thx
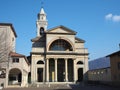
41 23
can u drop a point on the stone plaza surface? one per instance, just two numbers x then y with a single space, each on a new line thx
71 87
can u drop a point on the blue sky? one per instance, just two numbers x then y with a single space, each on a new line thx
95 21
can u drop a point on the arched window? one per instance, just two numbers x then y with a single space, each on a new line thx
41 31
60 45
79 62
40 62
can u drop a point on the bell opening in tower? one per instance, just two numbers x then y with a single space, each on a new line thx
41 31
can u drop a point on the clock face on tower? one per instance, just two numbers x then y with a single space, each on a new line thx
41 31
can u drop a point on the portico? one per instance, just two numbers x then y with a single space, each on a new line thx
60 70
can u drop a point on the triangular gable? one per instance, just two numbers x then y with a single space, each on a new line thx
61 29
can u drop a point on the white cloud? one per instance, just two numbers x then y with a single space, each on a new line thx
108 16
114 18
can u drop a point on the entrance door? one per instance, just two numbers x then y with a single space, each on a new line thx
61 70
40 74
70 70
80 74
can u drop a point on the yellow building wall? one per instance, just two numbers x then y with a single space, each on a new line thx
115 71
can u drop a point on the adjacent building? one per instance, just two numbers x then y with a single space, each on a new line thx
99 70
7 44
115 66
14 67
106 69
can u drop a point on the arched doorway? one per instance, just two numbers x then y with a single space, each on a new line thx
80 74
15 77
40 71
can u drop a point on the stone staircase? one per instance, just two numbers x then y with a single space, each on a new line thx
50 86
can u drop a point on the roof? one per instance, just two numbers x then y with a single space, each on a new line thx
99 63
42 39
9 24
14 54
42 11
35 39
79 40
63 27
115 53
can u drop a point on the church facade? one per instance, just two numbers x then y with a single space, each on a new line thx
57 54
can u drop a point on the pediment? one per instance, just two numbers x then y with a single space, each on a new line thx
61 29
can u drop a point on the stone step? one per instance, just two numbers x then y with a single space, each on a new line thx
52 86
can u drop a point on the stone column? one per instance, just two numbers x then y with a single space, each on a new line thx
47 71
22 79
55 70
66 70
74 71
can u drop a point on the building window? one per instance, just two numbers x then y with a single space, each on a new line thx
79 62
60 45
15 60
119 65
41 31
40 62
